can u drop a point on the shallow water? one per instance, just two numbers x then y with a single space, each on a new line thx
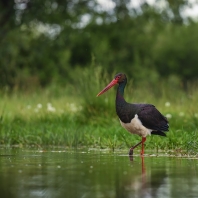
94 174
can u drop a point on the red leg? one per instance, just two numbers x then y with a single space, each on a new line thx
142 142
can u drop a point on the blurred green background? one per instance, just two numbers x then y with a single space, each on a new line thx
52 41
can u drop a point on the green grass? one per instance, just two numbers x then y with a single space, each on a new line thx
73 117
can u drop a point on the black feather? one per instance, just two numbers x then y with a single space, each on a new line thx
152 119
158 133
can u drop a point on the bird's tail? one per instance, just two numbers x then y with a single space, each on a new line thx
161 133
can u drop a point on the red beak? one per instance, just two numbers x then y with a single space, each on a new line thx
111 84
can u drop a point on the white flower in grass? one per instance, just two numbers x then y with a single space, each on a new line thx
39 106
167 104
168 115
50 107
196 115
181 114
73 107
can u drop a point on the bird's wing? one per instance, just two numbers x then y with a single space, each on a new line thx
152 119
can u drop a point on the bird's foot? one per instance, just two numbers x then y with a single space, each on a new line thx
131 154
131 151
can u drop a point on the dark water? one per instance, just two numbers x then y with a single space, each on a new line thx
77 174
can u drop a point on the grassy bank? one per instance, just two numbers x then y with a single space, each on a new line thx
75 117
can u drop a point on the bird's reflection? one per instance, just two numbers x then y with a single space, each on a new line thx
146 184
151 183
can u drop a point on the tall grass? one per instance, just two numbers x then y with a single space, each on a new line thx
74 117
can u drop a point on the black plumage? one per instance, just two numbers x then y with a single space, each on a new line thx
149 116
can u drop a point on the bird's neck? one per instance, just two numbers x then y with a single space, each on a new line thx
121 105
120 94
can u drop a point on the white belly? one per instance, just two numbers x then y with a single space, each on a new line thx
136 127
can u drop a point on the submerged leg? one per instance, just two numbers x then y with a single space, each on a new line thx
142 142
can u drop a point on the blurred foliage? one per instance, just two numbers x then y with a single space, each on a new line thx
43 42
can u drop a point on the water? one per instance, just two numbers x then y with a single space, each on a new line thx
93 174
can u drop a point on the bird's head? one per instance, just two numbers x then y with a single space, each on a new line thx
119 78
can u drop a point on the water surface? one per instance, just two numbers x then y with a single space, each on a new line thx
94 174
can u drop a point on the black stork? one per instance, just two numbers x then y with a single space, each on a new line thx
140 119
